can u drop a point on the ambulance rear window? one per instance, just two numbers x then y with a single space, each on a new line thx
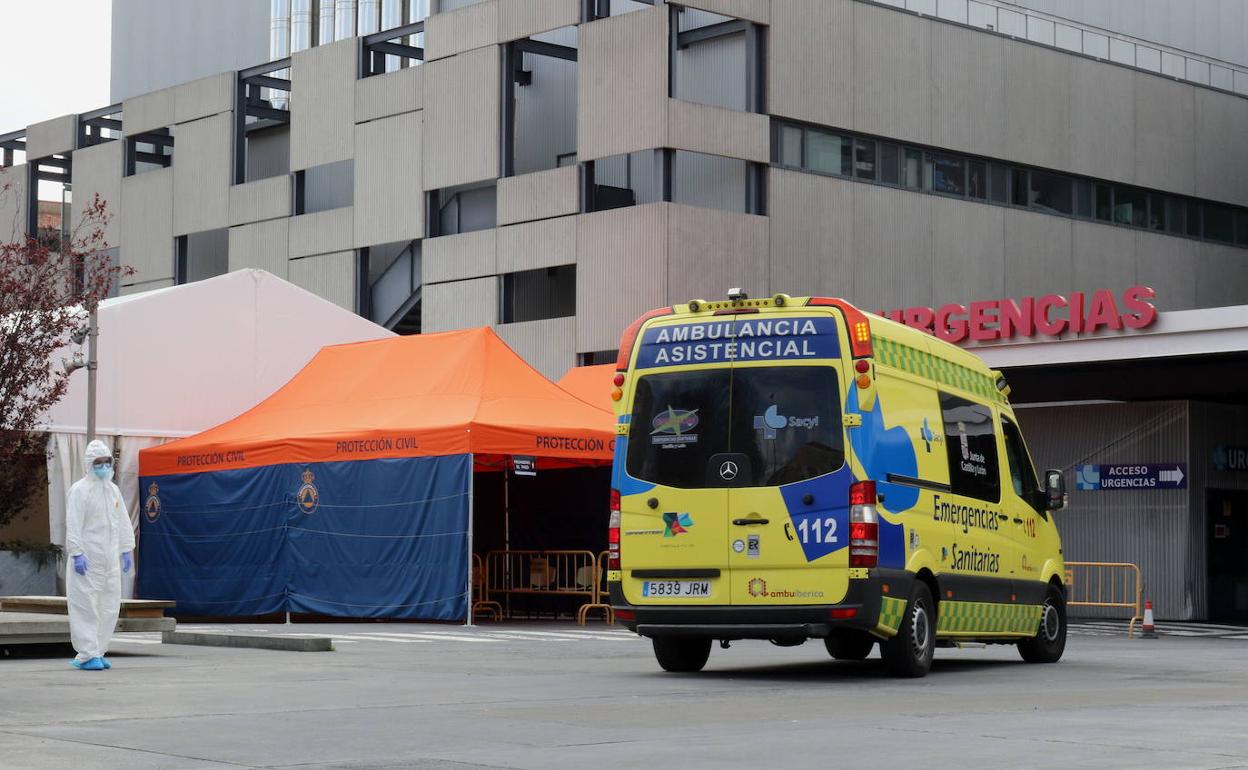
786 421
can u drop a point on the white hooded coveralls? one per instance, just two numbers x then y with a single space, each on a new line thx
98 527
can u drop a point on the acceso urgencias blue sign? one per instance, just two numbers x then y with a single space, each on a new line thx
1090 478
739 339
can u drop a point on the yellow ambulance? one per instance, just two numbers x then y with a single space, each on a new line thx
792 468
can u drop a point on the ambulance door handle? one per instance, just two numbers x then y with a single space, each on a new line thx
1018 521
749 522
1002 516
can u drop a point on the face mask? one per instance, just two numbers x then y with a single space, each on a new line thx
103 471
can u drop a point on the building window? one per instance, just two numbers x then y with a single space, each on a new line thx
202 255
946 174
323 188
876 161
536 295
1051 193
597 357
827 153
466 210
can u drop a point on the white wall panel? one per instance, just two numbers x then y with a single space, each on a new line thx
1221 277
203 97
1165 125
621 271
97 171
455 257
1037 254
524 18
810 72
1167 265
462 29
713 251
891 259
751 10
622 73
147 112
461 137
262 245
147 228
393 93
459 305
321 233
718 131
260 200
201 174
1102 120
538 195
52 137
1103 256
531 245
329 276
967 251
322 104
968 90
548 345
13 203
389 199
811 234
892 73
1221 144
1037 105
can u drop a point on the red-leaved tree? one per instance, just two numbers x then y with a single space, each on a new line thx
47 288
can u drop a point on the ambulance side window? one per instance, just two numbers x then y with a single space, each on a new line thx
1022 472
971 444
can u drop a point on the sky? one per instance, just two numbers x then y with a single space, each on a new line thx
58 64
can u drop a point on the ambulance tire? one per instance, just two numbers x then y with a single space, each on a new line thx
909 653
849 645
681 655
1049 642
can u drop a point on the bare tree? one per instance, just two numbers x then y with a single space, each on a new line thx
48 286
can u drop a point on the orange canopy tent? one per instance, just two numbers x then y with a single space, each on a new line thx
349 491
591 384
417 396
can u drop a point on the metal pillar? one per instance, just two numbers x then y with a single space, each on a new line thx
471 468
93 331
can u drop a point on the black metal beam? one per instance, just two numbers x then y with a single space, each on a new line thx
262 124
394 33
268 113
112 123
711 32
154 139
54 162
264 69
151 157
51 176
87 117
538 48
398 49
268 81
18 144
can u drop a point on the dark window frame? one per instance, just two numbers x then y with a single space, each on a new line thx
1193 229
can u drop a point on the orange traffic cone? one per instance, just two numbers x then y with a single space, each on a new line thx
1150 630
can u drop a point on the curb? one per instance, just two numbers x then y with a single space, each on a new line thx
283 643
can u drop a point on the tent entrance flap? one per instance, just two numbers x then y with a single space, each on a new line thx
379 538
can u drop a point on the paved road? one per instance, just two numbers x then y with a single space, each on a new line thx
555 696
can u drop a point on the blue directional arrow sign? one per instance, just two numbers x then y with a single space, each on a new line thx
1091 478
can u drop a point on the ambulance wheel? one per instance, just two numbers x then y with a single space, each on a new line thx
1049 642
681 655
909 653
849 645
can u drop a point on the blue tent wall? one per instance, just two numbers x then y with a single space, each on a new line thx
382 538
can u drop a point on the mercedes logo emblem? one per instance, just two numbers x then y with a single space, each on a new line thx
728 471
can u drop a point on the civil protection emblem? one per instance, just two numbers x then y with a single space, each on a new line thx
309 498
151 508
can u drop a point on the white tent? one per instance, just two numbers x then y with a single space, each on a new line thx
175 361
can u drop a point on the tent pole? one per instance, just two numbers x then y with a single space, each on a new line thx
471 478
507 525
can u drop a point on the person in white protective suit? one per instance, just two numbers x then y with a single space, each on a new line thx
99 542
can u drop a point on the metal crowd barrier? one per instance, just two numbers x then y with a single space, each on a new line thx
542 573
599 603
1106 584
480 602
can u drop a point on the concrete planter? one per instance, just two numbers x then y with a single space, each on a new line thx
21 575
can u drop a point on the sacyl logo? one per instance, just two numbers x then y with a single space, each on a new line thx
771 421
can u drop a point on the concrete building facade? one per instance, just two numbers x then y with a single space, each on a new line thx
554 168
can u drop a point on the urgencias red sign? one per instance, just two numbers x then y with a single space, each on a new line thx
1048 316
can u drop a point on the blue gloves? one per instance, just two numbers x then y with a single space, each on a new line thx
126 562
80 564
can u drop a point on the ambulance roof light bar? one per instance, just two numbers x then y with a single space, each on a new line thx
736 295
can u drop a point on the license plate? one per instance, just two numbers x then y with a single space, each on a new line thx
676 588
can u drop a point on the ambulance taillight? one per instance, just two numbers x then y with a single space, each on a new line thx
613 532
864 526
